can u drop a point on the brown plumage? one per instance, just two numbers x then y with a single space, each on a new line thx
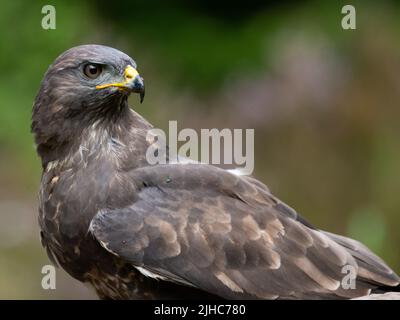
167 231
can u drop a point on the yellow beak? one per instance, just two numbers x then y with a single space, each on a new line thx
133 82
130 73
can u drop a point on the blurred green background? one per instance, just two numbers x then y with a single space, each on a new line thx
324 103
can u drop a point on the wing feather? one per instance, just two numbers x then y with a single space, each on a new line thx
202 226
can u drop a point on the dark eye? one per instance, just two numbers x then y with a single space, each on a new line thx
92 70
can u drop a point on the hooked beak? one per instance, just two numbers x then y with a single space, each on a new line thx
133 82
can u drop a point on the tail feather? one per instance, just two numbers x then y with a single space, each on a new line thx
384 289
372 269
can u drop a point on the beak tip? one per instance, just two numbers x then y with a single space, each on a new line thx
138 87
141 95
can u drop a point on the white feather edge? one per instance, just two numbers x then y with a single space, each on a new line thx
142 269
150 274
183 160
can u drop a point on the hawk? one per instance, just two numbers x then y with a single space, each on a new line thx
172 231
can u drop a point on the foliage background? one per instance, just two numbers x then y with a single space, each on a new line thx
324 103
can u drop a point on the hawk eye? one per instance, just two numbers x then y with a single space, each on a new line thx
92 70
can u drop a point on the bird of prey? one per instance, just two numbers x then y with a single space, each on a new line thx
171 231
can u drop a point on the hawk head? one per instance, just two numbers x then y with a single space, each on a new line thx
84 85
